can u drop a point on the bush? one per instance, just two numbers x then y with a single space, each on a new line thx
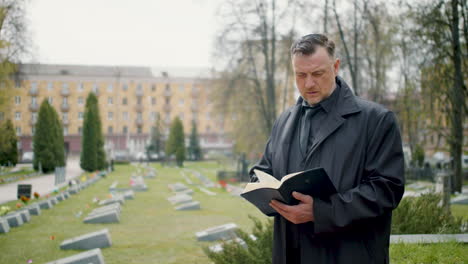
422 215
258 251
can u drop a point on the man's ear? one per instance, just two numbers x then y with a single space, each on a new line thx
336 66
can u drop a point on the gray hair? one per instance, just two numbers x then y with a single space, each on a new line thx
307 45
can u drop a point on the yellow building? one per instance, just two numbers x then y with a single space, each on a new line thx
130 99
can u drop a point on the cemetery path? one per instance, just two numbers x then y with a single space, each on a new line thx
43 184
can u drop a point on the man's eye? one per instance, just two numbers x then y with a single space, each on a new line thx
318 74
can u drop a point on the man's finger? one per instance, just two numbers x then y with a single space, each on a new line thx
302 197
281 205
279 208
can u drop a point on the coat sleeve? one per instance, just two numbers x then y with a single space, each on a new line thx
380 189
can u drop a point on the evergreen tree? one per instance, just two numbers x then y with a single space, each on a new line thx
176 142
156 140
8 144
45 139
194 149
89 143
58 144
101 154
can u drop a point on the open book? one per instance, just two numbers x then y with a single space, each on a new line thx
313 182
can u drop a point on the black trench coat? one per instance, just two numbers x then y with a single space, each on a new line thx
359 145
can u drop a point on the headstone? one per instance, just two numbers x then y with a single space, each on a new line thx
93 256
24 190
34 209
14 219
66 194
187 191
110 216
177 187
129 195
4 226
73 190
53 200
222 232
115 199
113 186
140 187
429 238
206 191
45 204
114 206
461 199
25 215
180 198
98 239
194 205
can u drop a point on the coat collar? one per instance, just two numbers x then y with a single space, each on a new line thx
345 104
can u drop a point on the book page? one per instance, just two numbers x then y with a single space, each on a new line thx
258 185
264 177
290 176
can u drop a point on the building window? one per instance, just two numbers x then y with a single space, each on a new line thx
18 131
124 101
17 100
34 116
125 130
65 101
153 116
50 86
181 116
139 100
153 100
65 131
110 87
181 102
33 100
65 116
110 130
168 100
208 116
80 115
168 87
110 115
80 130
153 87
33 85
65 86
18 116
50 99
110 100
80 100
33 130
125 116
181 88
95 88
125 87
139 116
208 129
139 87
139 130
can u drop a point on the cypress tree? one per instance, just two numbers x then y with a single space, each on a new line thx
89 141
194 149
176 142
101 154
45 139
58 144
8 144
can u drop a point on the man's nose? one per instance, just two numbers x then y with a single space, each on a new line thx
309 82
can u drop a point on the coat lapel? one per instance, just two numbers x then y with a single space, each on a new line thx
345 105
286 138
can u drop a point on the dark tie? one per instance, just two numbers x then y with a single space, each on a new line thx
305 127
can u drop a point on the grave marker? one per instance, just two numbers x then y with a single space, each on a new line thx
98 239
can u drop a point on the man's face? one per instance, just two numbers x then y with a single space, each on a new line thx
315 75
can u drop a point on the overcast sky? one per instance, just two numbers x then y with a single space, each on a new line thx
165 33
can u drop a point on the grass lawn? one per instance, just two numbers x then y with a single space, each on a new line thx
151 231
22 171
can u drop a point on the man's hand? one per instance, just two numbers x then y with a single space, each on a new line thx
297 214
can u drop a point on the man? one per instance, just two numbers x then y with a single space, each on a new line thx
357 142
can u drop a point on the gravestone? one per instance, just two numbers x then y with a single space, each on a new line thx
129 195
113 186
14 219
93 256
53 200
140 187
25 215
114 206
177 187
206 191
461 199
45 204
4 226
187 191
194 205
222 232
98 239
34 209
180 198
114 199
429 238
24 190
110 216
66 194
